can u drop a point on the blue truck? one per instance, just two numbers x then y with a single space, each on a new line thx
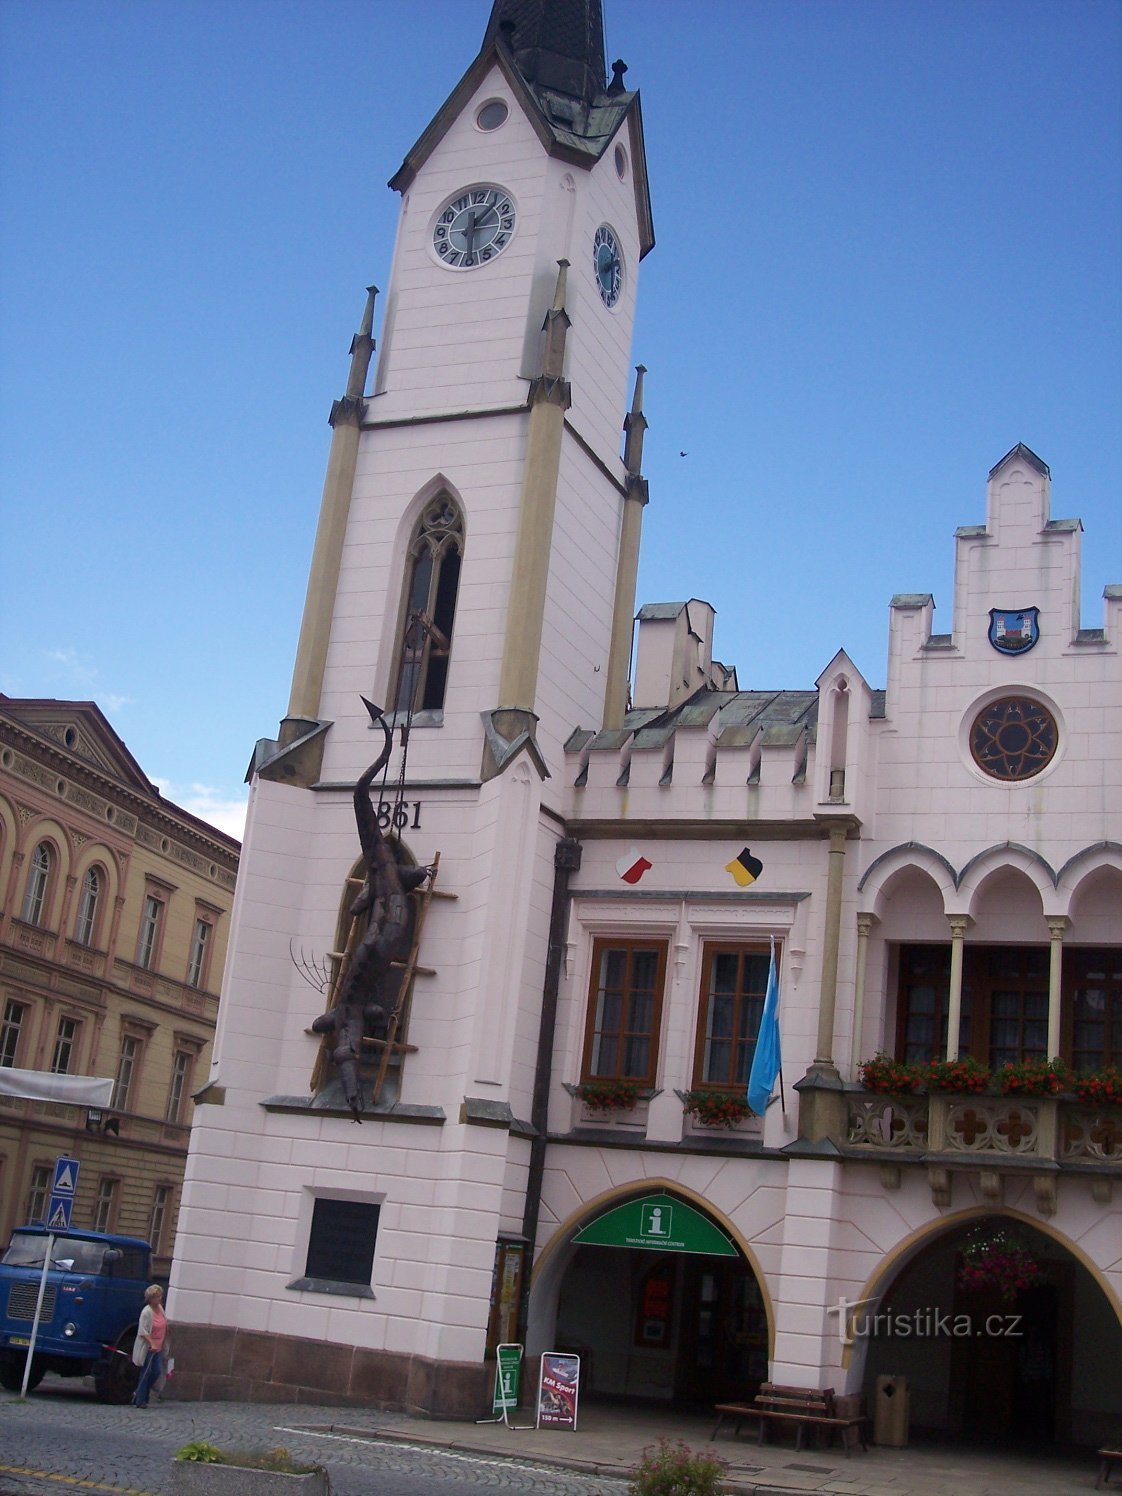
91 1306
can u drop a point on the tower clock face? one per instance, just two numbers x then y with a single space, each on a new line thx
607 262
474 226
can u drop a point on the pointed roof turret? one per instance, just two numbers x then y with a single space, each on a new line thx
556 44
1024 454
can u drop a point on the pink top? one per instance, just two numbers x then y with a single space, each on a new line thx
159 1331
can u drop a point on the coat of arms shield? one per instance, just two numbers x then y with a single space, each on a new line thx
1014 631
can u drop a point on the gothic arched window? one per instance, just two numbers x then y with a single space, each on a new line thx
432 582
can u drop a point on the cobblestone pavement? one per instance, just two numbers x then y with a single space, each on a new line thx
62 1441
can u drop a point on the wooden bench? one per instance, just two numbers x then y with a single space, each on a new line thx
804 1407
1108 1458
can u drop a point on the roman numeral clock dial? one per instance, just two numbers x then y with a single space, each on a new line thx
473 227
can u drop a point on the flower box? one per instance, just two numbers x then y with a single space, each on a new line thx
716 1108
1034 1078
889 1077
189 1479
608 1095
963 1077
1101 1088
200 1469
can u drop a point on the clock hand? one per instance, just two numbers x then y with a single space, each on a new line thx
470 234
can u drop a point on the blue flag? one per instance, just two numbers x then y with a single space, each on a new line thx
767 1059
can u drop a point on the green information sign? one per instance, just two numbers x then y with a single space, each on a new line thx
508 1372
658 1223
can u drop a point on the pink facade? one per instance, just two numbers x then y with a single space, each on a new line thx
938 865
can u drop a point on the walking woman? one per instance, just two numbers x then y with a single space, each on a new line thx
147 1353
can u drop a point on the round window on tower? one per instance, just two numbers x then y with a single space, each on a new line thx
1013 738
621 162
492 114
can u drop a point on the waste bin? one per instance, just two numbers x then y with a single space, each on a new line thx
891 1412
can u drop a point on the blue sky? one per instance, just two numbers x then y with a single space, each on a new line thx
889 248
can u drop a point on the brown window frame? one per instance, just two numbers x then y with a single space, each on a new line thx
1025 987
1077 974
980 987
601 946
711 952
939 953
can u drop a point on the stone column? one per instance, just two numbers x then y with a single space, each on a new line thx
64 918
865 924
114 929
959 924
827 998
12 904
1057 925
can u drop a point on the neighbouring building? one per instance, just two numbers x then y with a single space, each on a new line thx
621 845
113 932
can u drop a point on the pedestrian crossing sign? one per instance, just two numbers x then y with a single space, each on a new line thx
58 1217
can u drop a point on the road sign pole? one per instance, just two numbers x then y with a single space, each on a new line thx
47 1256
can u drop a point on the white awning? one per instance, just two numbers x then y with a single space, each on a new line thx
41 1085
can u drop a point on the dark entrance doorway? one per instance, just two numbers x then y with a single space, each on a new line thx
663 1327
998 1354
723 1352
1011 1377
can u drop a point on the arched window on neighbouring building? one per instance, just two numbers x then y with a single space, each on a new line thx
38 879
429 610
86 922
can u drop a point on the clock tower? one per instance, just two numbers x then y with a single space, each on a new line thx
501 380
474 572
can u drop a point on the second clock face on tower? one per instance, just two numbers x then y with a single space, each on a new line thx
607 262
474 226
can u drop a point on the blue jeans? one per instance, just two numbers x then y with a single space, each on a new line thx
149 1376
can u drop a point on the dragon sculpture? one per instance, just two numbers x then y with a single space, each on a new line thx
367 980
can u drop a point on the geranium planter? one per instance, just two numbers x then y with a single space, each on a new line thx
715 1108
189 1478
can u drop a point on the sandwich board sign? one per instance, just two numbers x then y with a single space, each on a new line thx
558 1390
508 1369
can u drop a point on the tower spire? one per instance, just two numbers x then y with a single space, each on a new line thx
557 45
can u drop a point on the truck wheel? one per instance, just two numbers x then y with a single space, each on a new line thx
115 1377
11 1373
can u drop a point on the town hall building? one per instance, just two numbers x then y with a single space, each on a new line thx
530 1127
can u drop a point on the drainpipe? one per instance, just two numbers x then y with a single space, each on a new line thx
566 861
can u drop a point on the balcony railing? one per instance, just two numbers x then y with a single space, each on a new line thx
1044 1137
1047 1128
